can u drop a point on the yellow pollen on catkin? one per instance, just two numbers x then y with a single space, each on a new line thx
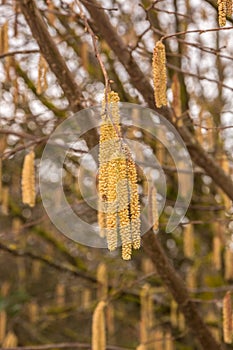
28 180
146 322
42 71
228 262
227 318
159 74
188 241
102 278
217 246
98 327
229 8
119 210
222 12
134 201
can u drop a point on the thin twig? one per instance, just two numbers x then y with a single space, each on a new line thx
200 31
19 52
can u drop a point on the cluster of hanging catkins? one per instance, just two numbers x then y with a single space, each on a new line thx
224 11
119 210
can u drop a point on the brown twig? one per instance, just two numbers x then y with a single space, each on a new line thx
200 77
63 346
200 31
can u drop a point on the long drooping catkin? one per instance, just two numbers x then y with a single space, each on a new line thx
228 261
227 318
109 142
28 180
154 205
222 12
124 219
159 74
119 210
42 80
10 340
134 200
188 241
98 328
229 8
217 246
102 278
146 323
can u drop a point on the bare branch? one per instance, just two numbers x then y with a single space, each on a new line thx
51 53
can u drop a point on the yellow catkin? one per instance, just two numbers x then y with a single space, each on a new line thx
108 144
188 241
42 84
154 207
60 294
28 180
3 321
16 226
146 322
36 270
118 207
148 266
51 16
181 322
134 200
229 8
85 55
10 340
110 316
141 347
173 313
98 327
5 37
228 262
191 278
222 12
5 200
158 339
5 287
21 272
33 312
86 298
168 340
5 40
176 102
226 167
227 318
210 133
212 321
111 219
102 278
217 247
124 219
159 74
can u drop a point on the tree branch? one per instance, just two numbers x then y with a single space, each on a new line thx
51 53
55 61
140 81
63 346
179 291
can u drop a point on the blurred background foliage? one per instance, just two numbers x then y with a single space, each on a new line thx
49 284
